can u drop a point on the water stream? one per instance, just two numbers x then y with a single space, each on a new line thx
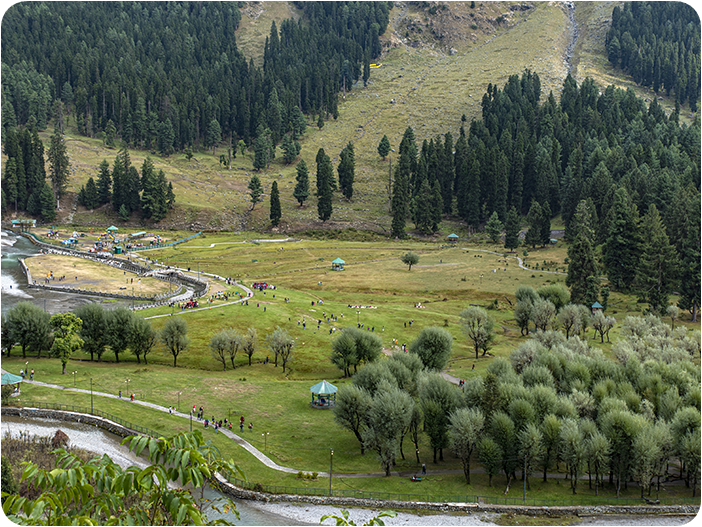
14 282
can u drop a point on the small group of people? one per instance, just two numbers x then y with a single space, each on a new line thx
131 395
23 374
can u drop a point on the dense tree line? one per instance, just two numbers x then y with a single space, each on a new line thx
169 75
127 190
658 43
556 402
608 150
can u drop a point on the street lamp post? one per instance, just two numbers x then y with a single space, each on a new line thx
179 401
128 392
265 441
91 395
331 465
74 379
358 318
191 420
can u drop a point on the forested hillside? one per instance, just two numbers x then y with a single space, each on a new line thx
162 72
658 43
608 153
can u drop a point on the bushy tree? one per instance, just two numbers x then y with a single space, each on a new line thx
389 414
433 347
490 455
351 410
478 326
249 343
67 341
410 259
94 328
28 327
281 345
142 338
465 431
118 322
174 336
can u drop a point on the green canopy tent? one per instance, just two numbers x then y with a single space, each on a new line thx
323 395
338 264
112 228
9 378
453 238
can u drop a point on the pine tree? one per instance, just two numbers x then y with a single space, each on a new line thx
59 165
149 194
123 212
262 150
104 183
91 194
436 205
170 196
289 148
302 188
384 147
160 197
399 206
690 270
620 253
472 206
494 227
545 234
48 203
423 209
275 205
658 262
347 169
512 230
325 177
535 220
581 257
255 190
110 133
166 136
214 134
9 182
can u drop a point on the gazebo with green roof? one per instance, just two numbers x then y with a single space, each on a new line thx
112 228
323 395
338 264
453 238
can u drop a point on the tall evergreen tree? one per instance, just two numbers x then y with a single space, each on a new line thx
347 169
621 251
9 182
545 224
325 177
512 230
214 134
658 262
91 194
400 194
494 227
255 190
302 187
535 221
276 213
384 147
104 182
59 165
581 257
436 205
48 203
423 209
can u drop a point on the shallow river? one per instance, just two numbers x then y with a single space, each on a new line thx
14 282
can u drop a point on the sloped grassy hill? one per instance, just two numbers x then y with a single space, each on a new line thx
438 60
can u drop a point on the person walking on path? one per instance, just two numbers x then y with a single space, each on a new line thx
424 469
120 394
